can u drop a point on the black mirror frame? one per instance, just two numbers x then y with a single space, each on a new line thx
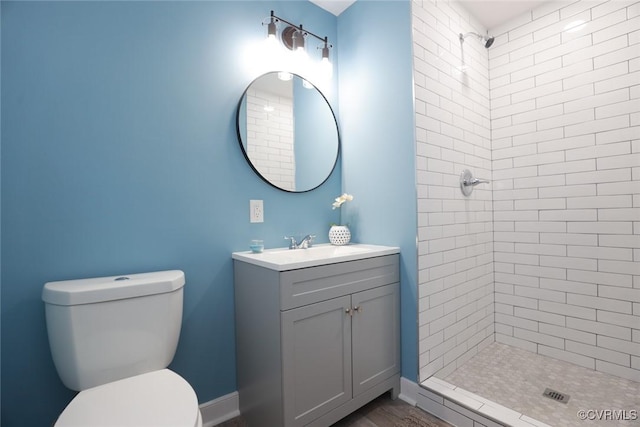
246 156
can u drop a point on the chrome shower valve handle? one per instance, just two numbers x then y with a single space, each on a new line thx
467 182
476 181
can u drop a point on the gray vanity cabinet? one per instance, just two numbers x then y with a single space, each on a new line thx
316 356
375 342
314 344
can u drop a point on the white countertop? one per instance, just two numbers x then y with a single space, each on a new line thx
282 259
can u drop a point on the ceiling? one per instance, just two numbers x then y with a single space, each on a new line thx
334 6
490 13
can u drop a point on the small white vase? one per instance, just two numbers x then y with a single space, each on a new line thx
339 235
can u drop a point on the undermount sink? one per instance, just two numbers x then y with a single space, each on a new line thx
282 259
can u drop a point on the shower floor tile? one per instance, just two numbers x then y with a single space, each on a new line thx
516 378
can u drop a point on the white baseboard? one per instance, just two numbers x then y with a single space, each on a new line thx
220 410
408 391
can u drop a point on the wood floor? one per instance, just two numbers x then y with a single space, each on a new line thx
382 412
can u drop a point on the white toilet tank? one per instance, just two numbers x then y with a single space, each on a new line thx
108 328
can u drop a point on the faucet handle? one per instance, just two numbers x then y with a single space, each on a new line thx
292 242
307 241
476 181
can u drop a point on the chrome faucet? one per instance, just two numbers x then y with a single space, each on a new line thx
306 242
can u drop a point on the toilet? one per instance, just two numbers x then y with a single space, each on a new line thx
111 339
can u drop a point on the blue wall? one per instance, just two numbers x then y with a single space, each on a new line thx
378 152
119 155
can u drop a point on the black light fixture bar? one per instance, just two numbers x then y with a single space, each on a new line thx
275 18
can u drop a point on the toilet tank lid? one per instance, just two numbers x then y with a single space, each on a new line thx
101 289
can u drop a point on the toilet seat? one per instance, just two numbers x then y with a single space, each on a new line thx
159 398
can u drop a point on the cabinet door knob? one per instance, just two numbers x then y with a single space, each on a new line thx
358 309
348 311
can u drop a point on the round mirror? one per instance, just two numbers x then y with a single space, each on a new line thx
288 132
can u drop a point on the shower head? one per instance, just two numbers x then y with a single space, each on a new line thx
488 41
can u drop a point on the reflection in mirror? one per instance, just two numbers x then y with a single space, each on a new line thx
288 132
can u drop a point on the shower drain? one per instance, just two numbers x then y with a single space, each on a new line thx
556 395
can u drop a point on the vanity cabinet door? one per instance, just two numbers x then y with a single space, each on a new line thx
316 359
376 336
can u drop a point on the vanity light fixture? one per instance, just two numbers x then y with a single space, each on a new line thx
297 39
293 37
325 63
325 51
271 28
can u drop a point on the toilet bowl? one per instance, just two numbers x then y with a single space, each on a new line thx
158 399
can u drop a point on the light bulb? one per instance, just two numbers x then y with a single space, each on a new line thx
327 67
298 41
271 44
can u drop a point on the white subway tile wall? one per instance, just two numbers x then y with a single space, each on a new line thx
455 233
567 183
270 137
547 257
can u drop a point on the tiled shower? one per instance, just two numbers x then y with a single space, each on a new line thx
455 234
547 257
566 170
